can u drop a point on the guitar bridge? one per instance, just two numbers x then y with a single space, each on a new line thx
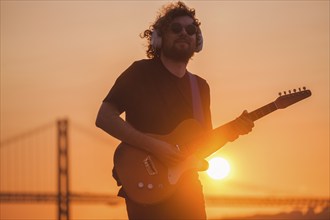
150 166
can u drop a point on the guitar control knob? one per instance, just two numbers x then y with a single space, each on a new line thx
150 186
140 185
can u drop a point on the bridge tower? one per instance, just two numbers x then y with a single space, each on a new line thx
63 170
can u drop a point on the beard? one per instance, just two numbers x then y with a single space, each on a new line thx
177 52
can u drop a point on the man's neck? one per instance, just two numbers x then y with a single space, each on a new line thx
177 68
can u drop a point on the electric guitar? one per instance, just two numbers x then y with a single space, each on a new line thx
147 181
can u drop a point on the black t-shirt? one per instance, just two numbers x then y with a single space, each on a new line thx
154 100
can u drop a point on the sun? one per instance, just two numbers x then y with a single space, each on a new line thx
219 168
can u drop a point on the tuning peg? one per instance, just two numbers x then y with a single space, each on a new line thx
290 91
294 90
299 89
304 88
280 94
284 92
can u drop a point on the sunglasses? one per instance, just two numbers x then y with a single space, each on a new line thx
177 28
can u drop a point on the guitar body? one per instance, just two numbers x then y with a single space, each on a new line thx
144 178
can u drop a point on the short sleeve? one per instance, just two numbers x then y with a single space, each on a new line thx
123 89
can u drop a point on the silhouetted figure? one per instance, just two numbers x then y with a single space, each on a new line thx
158 94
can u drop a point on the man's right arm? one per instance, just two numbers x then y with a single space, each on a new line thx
109 120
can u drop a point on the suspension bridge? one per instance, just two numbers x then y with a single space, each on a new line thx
36 167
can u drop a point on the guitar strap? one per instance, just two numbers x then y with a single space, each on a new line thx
196 99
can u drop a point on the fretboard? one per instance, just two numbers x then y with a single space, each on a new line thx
263 111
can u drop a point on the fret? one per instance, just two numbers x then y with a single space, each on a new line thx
263 111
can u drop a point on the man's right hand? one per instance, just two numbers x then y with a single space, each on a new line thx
168 154
110 121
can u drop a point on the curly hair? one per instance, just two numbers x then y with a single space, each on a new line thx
166 15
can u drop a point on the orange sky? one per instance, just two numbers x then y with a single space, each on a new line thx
59 59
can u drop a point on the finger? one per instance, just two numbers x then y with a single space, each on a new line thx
176 154
246 119
172 161
244 125
248 122
244 113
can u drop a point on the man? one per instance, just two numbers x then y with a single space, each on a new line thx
158 94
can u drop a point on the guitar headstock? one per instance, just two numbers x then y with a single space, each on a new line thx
288 98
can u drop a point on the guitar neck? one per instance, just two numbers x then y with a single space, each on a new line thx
262 111
215 139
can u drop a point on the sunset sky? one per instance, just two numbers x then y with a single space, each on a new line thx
60 58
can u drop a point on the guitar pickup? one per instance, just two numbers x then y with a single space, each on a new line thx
150 166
